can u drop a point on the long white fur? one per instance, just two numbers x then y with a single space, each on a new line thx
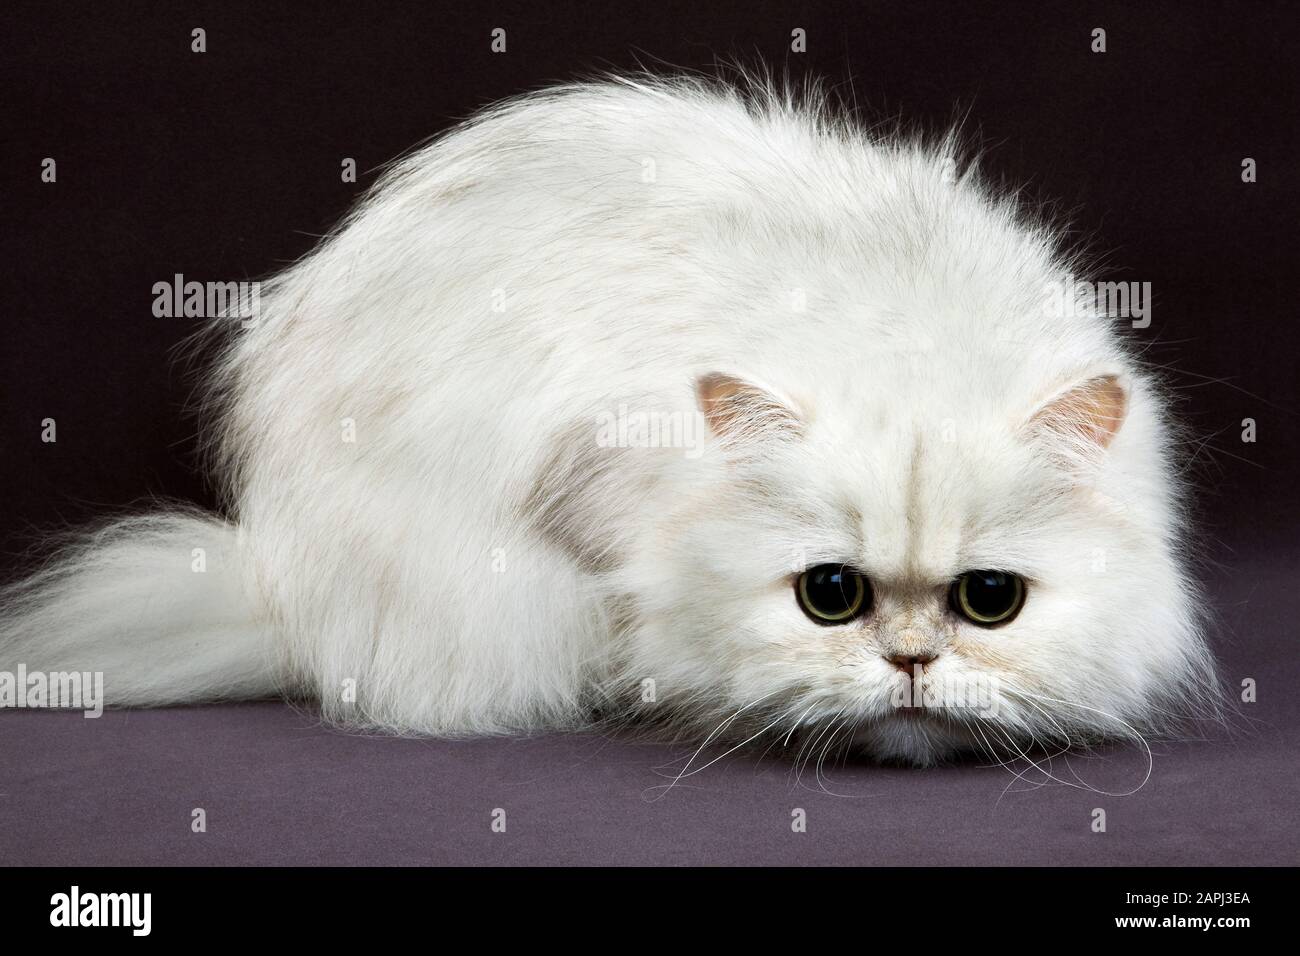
472 563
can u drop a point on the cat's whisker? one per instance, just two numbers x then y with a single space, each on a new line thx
1132 730
982 743
707 740
1063 733
817 769
976 726
811 745
1009 765
795 726
687 772
785 714
1022 753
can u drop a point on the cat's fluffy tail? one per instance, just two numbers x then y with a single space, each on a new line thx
156 603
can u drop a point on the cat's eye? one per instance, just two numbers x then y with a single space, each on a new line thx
833 593
987 598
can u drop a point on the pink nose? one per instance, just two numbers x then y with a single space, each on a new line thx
907 663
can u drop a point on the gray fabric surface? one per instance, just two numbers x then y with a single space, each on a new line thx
278 788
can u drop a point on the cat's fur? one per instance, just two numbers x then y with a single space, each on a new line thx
889 390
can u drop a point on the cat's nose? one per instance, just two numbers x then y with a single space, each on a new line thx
907 663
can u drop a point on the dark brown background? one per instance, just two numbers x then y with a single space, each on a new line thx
225 166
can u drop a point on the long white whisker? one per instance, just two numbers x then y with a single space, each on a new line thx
716 731
1136 733
706 766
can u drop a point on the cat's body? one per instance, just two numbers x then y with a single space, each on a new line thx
442 521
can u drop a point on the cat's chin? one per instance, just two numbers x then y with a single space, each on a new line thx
912 737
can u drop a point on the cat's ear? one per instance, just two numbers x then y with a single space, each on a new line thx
740 412
1080 421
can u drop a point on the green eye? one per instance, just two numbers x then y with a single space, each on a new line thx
833 593
987 598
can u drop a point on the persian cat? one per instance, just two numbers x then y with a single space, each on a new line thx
674 402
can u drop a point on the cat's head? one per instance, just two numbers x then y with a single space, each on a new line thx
923 564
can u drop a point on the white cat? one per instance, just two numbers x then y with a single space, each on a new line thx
665 400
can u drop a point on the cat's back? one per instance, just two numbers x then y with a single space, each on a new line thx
610 240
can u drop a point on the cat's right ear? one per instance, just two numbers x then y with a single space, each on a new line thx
739 412
1078 423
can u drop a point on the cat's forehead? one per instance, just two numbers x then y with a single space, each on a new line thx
925 499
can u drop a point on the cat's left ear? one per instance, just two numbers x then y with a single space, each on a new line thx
1082 420
740 412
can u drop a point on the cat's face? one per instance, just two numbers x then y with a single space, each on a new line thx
818 583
